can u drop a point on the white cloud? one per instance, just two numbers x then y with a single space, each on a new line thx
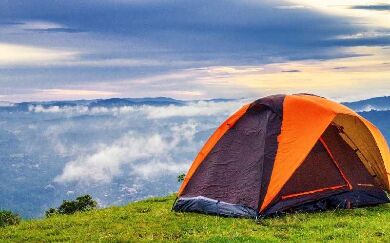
191 109
154 168
146 155
11 54
288 7
373 108
39 25
202 108
364 35
57 109
130 141
106 163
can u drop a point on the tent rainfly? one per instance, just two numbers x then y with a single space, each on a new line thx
287 153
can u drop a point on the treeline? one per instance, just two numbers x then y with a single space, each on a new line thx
80 204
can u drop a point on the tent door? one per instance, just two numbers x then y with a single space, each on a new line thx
318 173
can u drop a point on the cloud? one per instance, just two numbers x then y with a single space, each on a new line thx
372 38
150 148
290 7
364 75
157 168
58 30
42 26
39 25
146 155
57 109
191 109
125 43
187 26
124 62
11 54
106 163
101 145
367 108
376 7
201 108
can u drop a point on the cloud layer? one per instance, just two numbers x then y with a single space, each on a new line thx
146 155
117 48
143 153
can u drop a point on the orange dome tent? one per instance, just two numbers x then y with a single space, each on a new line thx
287 153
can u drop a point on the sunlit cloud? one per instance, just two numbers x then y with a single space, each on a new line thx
360 77
11 54
343 79
351 8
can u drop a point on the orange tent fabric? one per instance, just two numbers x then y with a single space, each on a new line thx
309 115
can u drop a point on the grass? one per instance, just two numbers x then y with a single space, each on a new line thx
152 220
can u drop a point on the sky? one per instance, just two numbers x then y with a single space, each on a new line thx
62 50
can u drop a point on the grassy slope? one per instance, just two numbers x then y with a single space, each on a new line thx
152 220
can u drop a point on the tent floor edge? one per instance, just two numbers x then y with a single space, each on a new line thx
210 206
347 199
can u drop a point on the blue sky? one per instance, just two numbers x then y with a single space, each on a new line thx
53 50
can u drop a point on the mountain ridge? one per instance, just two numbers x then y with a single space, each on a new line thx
375 103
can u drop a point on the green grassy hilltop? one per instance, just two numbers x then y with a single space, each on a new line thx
152 220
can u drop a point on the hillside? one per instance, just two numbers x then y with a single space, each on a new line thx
152 220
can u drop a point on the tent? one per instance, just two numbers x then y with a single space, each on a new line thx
287 153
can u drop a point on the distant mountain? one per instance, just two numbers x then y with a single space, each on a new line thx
113 102
220 100
381 119
377 103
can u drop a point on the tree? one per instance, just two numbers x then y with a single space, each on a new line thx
8 218
181 177
81 204
50 212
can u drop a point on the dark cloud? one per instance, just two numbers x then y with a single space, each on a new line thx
195 26
57 30
341 67
10 23
380 40
376 7
291 71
